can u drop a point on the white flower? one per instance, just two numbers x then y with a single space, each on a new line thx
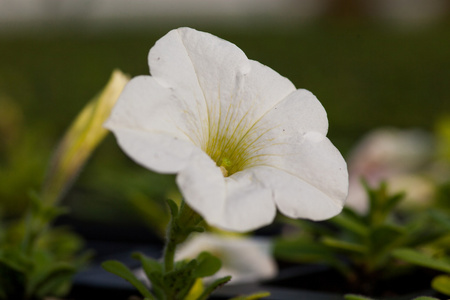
244 259
242 140
392 155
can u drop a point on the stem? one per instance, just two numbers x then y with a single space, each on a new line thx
179 228
169 249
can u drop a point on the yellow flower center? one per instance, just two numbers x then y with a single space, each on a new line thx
230 154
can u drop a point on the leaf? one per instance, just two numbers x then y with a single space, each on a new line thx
343 245
154 271
213 286
441 284
441 217
425 298
149 264
356 297
254 296
207 265
384 236
121 270
173 208
418 258
349 221
301 250
58 284
178 283
50 279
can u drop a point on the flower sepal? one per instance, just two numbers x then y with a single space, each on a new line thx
184 222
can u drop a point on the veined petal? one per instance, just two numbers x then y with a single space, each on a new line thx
249 203
203 187
161 153
157 131
309 178
238 203
229 91
298 113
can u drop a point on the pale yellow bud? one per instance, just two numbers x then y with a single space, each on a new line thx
80 140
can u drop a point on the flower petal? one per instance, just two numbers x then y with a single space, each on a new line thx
249 204
237 203
309 178
298 113
151 130
245 259
203 187
201 67
157 152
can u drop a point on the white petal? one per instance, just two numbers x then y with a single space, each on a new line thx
298 113
249 205
309 178
201 67
203 187
245 259
150 126
237 203
158 152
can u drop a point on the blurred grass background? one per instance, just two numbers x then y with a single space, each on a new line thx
365 74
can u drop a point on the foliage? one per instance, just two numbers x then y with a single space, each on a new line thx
177 280
366 247
36 259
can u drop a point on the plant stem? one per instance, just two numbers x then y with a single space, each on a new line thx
179 228
169 249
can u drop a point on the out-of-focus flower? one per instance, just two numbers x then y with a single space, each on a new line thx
244 259
242 140
80 140
391 155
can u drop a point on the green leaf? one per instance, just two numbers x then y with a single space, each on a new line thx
46 280
178 283
384 236
343 245
154 271
121 270
349 221
213 286
254 296
58 284
173 208
207 265
356 297
425 298
441 284
441 217
149 264
418 258
301 250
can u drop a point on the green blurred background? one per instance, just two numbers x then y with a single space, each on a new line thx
369 70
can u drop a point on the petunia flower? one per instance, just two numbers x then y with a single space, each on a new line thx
244 259
395 156
241 138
